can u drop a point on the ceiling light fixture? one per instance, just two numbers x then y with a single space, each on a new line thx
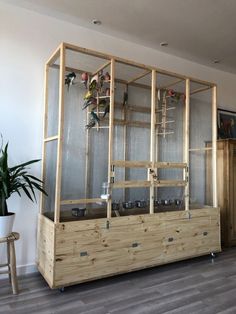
164 44
96 22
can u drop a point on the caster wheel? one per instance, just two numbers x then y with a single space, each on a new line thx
62 289
213 255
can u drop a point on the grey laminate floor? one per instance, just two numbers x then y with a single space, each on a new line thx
193 286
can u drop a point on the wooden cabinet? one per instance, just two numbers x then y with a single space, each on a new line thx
226 184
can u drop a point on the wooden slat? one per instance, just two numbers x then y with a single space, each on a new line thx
170 165
54 57
83 201
170 183
131 184
111 131
186 142
46 248
214 146
198 149
202 89
102 67
171 84
60 134
131 164
139 76
51 138
45 131
153 138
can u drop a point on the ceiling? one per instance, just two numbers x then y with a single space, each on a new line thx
198 30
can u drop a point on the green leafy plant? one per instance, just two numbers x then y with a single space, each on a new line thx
15 180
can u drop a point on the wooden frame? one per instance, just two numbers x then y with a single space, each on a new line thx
55 257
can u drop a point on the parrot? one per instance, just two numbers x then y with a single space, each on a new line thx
88 102
92 85
91 124
88 95
84 79
107 110
69 79
95 117
93 120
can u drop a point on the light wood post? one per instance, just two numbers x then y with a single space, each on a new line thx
186 142
153 138
13 267
45 131
214 146
60 134
110 143
8 261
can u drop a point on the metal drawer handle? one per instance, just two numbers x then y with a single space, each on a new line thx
84 253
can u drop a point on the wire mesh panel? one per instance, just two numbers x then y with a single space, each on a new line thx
53 101
50 177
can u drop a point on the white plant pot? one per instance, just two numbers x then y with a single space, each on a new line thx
6 224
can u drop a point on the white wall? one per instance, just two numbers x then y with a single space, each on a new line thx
27 40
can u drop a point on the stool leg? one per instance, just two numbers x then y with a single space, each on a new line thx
14 282
8 260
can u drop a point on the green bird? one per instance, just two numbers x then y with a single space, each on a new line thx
95 117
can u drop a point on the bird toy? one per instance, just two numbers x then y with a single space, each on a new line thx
84 79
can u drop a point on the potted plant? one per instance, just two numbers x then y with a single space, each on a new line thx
14 180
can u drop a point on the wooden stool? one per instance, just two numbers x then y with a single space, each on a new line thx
11 260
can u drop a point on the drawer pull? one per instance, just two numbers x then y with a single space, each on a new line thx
170 239
135 244
205 233
83 253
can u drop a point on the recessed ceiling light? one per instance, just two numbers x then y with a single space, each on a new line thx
164 44
216 61
96 22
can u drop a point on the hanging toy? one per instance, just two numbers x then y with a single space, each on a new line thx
107 77
171 93
69 79
84 79
125 98
107 92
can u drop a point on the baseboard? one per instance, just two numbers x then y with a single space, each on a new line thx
26 269
22 270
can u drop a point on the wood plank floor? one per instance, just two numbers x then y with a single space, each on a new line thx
193 286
